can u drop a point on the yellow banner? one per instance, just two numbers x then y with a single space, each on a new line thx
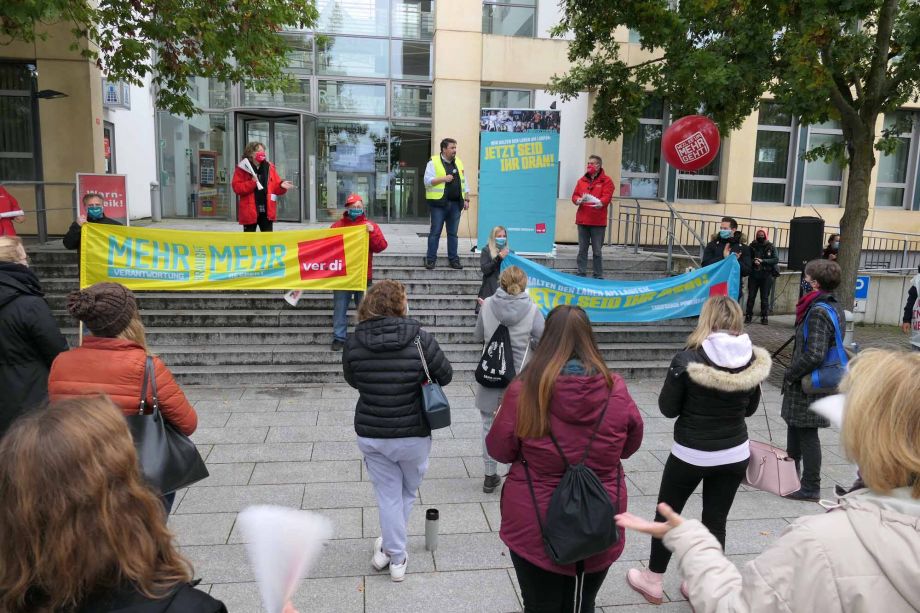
173 260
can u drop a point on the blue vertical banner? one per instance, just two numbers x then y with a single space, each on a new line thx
518 177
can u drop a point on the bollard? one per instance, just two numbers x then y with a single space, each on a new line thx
431 529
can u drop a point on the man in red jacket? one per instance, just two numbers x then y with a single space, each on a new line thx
354 216
592 197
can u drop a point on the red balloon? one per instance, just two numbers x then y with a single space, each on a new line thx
691 142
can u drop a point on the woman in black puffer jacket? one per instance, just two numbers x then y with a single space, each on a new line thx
381 360
711 387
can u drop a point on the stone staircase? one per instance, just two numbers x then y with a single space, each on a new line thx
232 338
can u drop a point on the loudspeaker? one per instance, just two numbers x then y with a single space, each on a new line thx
806 241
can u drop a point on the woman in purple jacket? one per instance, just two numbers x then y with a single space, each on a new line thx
563 389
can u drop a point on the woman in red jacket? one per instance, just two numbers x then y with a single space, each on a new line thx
563 390
258 186
113 360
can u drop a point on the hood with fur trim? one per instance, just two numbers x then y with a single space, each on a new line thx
732 380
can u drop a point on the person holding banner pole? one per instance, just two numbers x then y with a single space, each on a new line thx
447 195
95 213
10 213
592 196
258 185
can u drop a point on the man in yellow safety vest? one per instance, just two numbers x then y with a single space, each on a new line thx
447 196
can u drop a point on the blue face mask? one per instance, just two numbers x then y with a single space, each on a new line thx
725 233
836 244
94 212
354 214
500 241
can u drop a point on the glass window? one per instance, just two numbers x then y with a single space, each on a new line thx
218 94
352 158
352 57
412 100
501 18
702 184
505 98
413 19
634 36
411 60
300 53
640 168
352 98
771 154
823 179
16 122
365 17
410 150
892 168
297 96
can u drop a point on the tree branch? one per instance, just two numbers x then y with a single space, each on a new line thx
841 96
647 63
877 83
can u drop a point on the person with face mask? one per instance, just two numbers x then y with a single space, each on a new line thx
729 242
95 213
354 215
592 196
258 185
764 261
491 262
832 248
910 323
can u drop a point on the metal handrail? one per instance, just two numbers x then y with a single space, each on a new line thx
41 211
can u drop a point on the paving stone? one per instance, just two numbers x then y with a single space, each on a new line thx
227 474
213 420
844 474
471 552
261 452
659 424
493 513
442 433
236 498
230 435
219 563
642 461
657 441
751 536
309 434
336 451
202 528
346 524
335 418
236 406
478 591
280 393
352 557
477 470
456 448
204 451
438 468
762 505
331 595
287 418
196 394
645 483
454 519
315 403
461 415
335 391
306 472
469 429
338 495
442 491
615 591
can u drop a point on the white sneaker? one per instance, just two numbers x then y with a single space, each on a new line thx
398 571
380 559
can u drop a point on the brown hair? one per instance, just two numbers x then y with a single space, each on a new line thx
881 422
513 280
11 249
387 298
251 147
567 335
825 272
75 516
719 314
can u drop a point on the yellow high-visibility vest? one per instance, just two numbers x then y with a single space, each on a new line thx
436 192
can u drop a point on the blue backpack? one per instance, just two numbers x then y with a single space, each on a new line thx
827 377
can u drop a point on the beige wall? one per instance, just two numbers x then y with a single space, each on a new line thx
71 127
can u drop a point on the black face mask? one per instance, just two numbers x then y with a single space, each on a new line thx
761 239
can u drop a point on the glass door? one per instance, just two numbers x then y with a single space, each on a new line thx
281 137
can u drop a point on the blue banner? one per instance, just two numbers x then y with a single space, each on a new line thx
629 301
518 177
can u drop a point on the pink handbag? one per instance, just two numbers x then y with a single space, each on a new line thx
770 469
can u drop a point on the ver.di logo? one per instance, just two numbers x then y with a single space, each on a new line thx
321 258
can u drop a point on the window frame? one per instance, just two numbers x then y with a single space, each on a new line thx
35 155
789 181
811 130
661 175
521 4
910 174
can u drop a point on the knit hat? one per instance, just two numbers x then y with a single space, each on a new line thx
105 308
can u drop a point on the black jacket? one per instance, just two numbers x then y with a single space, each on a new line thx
29 341
490 270
71 240
184 599
382 362
710 402
716 247
766 252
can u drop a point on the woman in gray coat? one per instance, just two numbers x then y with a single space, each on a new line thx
512 307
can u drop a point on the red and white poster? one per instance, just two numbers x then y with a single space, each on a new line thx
112 188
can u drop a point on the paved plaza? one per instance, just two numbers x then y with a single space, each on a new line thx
296 447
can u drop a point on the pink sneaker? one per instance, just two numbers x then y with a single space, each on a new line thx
647 583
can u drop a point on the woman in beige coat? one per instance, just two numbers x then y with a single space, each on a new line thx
863 554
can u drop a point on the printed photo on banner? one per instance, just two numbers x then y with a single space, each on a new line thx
170 260
629 301
518 120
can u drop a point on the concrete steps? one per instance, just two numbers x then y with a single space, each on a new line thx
228 338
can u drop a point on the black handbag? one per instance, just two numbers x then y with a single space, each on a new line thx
169 460
435 406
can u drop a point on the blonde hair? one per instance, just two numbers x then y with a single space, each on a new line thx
11 249
513 280
135 332
881 423
719 314
493 248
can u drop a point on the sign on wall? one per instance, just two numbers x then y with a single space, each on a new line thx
112 188
518 177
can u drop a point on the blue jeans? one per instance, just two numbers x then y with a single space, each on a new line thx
448 212
340 301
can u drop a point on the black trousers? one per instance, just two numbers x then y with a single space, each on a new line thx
763 285
804 446
720 483
593 235
549 592
263 222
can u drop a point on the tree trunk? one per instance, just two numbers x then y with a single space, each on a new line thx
856 212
